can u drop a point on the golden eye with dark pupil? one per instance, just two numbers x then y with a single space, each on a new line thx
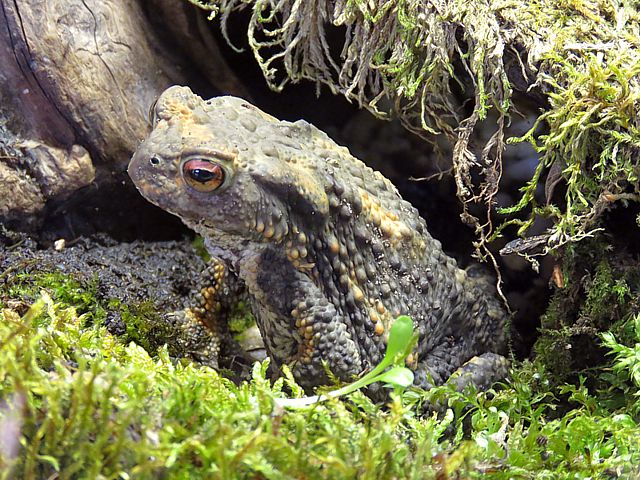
203 175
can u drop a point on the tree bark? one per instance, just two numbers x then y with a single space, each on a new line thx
77 80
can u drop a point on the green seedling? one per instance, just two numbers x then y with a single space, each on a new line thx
399 345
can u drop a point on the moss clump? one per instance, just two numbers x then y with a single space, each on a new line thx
200 248
76 402
144 325
139 322
592 145
600 292
65 288
92 406
240 318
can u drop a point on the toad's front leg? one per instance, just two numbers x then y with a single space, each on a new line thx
202 327
299 325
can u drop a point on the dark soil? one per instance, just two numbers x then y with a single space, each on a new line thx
163 273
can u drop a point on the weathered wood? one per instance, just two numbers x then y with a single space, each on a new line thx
77 80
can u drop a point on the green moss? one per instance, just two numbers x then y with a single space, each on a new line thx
65 288
92 406
601 292
144 325
592 142
606 295
75 402
201 249
241 318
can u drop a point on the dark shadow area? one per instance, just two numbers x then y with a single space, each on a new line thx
114 208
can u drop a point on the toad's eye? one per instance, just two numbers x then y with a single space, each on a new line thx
203 175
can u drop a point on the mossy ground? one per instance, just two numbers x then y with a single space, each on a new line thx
78 402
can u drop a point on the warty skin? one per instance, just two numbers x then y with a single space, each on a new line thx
326 249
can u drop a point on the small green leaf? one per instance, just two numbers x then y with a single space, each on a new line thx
50 460
397 376
400 336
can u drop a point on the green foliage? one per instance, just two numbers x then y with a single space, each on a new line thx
627 359
62 287
530 439
92 406
144 326
593 140
399 345
76 402
240 318
201 249
605 292
600 292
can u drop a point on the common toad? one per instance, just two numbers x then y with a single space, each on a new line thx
325 248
